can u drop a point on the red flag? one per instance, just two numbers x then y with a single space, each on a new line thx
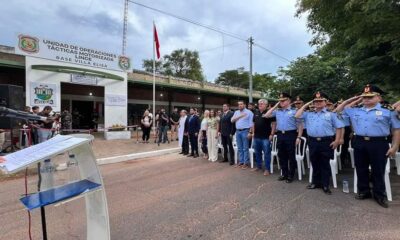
157 42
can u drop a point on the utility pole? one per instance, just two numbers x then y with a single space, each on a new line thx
125 28
251 42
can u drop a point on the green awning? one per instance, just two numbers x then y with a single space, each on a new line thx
77 70
12 64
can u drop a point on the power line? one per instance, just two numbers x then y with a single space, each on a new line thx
212 29
271 52
222 46
193 22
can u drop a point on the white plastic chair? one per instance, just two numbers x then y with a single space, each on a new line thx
338 152
335 165
388 187
397 159
274 153
235 149
351 152
300 150
251 154
308 156
220 146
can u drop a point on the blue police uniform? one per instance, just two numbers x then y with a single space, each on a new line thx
321 130
372 128
286 126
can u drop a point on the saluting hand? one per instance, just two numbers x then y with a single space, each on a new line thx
307 104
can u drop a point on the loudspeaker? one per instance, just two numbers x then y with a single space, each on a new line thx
11 96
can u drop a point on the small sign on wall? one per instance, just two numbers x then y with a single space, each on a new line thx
43 94
115 100
84 79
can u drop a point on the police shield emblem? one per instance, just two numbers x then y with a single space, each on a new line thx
124 62
28 44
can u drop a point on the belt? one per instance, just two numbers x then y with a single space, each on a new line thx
371 138
242 129
286 132
320 139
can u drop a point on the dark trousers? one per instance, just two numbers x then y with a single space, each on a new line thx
286 145
193 143
227 144
344 156
146 133
372 152
320 155
204 148
185 144
162 134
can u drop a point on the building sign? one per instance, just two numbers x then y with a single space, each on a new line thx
43 94
84 79
70 53
115 100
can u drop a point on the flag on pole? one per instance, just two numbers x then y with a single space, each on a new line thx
157 42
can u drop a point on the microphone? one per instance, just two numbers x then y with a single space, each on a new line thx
10 113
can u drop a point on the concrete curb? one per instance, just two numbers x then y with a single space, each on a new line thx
135 156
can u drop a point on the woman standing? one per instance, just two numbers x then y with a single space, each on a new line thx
203 134
212 137
146 126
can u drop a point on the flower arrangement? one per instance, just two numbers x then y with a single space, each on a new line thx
117 127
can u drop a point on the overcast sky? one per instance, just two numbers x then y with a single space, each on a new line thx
98 24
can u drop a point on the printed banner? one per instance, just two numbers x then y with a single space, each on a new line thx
116 100
70 53
44 94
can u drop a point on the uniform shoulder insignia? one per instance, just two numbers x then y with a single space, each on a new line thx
387 106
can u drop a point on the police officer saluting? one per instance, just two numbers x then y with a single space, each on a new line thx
372 124
287 134
323 129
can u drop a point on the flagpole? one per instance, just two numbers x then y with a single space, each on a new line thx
154 76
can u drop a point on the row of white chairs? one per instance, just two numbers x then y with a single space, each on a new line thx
303 151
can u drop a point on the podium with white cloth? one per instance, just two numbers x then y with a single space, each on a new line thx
88 185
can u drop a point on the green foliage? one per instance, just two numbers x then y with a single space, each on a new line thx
364 33
180 63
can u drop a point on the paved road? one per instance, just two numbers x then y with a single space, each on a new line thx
174 197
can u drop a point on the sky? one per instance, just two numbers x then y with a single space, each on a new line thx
98 24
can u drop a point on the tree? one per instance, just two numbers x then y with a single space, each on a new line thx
320 72
180 63
364 33
235 78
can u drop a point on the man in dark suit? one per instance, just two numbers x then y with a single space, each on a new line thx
194 128
226 131
185 139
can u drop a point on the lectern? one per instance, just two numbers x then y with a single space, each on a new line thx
89 184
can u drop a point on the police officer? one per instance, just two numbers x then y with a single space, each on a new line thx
324 128
372 125
288 135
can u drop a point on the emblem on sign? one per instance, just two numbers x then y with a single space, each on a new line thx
124 62
28 44
43 92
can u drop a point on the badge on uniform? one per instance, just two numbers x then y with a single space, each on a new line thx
378 113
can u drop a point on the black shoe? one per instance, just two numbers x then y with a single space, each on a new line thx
382 202
362 196
327 190
190 155
185 153
231 163
223 161
196 156
181 153
282 178
313 186
289 180
158 144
